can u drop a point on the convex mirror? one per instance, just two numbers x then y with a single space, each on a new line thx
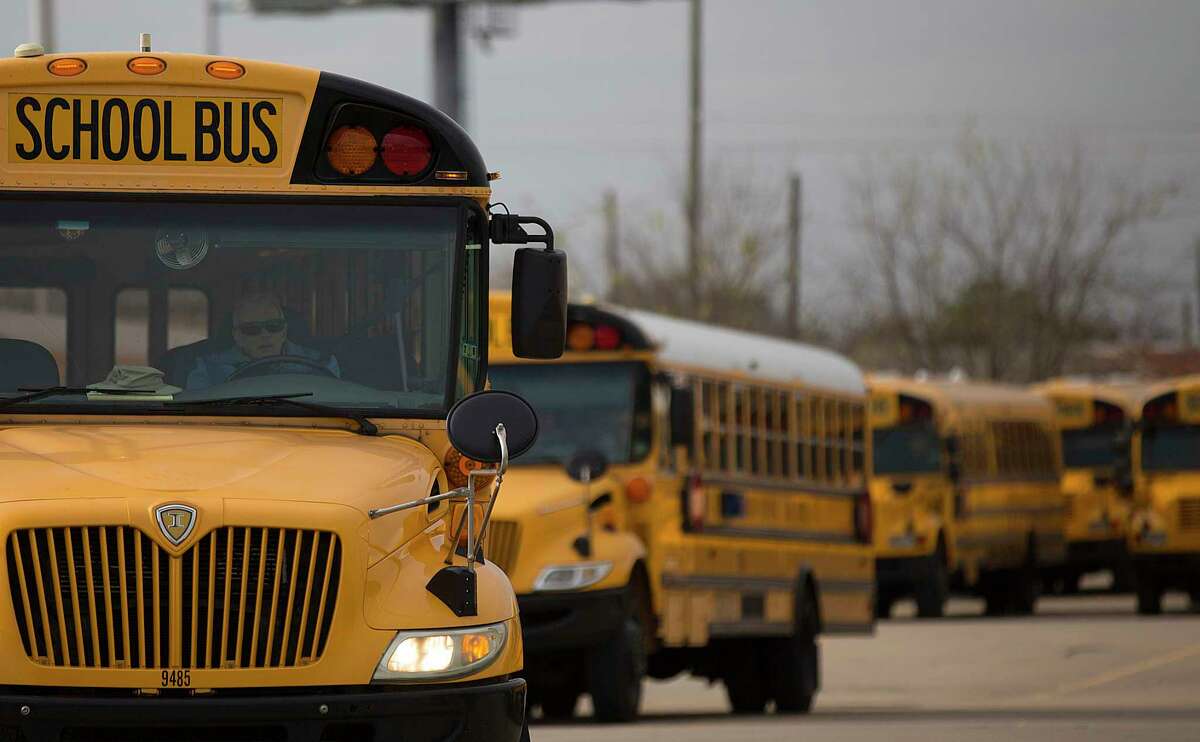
472 423
588 461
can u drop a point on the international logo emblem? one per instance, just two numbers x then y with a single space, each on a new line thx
176 522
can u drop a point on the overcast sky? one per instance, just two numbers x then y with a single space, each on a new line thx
591 95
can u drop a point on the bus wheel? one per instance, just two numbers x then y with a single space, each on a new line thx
1149 596
934 589
615 672
883 605
558 702
994 590
525 732
795 664
743 677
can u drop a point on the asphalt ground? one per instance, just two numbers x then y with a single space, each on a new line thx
1084 668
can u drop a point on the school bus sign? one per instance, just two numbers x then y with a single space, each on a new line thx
144 130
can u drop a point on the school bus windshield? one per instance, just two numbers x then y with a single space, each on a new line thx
907 449
1089 448
603 407
156 302
1173 448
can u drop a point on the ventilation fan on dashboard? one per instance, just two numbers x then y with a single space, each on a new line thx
180 250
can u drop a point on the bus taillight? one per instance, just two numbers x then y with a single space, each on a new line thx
864 520
407 151
351 150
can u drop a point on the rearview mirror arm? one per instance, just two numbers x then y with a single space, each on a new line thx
469 493
506 229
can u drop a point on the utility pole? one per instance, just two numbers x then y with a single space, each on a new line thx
1186 324
612 245
41 23
795 227
695 195
212 27
448 60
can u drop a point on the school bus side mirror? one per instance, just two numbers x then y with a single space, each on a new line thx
683 417
539 288
954 472
471 426
1123 462
950 443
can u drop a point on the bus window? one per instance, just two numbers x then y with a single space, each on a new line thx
131 327
41 313
187 316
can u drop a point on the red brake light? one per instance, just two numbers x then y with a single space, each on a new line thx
864 521
607 337
407 150
637 490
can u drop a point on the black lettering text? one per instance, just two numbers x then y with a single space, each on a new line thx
237 157
23 107
48 128
269 154
79 126
116 154
207 129
143 108
168 155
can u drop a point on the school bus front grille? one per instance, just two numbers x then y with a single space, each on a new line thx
504 538
1189 514
108 597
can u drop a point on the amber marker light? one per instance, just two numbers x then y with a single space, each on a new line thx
67 67
225 70
352 150
581 337
147 65
450 175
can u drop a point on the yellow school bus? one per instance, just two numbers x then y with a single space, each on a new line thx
244 318
965 489
1094 418
1164 532
729 526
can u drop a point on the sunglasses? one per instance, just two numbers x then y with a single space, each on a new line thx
272 326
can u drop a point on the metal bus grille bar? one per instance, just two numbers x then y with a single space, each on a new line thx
503 540
90 597
1189 513
259 597
101 597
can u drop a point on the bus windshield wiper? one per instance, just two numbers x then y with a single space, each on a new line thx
365 426
33 395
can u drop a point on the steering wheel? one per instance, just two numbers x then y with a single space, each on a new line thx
260 367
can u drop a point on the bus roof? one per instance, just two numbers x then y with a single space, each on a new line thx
176 125
1125 394
955 397
692 344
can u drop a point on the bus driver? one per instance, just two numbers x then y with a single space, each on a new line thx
259 332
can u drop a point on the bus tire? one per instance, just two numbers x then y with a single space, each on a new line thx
795 662
994 590
558 703
743 678
525 732
616 669
1149 596
934 590
883 605
1023 582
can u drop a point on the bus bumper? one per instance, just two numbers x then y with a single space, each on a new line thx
553 622
898 577
1089 556
475 713
1177 570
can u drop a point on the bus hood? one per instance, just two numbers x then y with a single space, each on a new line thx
218 469
546 490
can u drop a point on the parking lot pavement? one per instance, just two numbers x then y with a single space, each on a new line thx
1084 668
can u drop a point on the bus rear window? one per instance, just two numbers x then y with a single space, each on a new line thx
907 449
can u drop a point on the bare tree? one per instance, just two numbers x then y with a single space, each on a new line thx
741 263
1002 260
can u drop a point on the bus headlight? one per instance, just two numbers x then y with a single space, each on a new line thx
445 653
571 576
